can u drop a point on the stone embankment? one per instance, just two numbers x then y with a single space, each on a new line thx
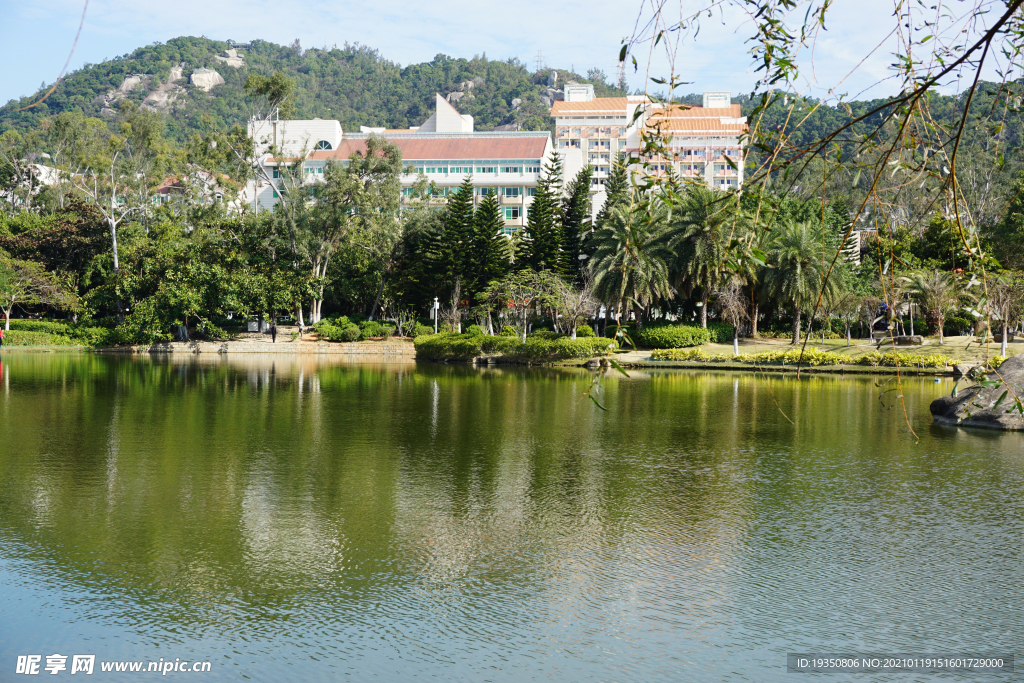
398 350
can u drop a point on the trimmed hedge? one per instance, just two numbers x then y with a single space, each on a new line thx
448 346
671 336
22 338
58 333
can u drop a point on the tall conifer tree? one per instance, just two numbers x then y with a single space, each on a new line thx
575 222
541 247
492 249
451 249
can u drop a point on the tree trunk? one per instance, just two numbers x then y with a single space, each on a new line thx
796 325
1002 346
847 336
753 321
7 320
704 312
380 293
911 321
735 343
941 325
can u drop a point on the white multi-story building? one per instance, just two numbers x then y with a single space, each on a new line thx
702 140
445 150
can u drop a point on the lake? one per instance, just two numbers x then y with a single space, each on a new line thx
312 520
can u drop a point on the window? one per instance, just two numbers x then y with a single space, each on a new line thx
511 191
277 173
320 170
533 169
511 169
323 144
531 192
486 169
460 170
512 213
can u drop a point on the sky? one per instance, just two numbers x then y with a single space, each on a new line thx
36 36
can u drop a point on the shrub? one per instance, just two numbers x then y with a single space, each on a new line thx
77 333
539 349
24 338
509 331
683 354
475 330
448 346
339 329
544 334
893 358
585 331
671 336
421 330
498 344
375 328
955 325
721 333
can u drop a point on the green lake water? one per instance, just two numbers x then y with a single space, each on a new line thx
314 521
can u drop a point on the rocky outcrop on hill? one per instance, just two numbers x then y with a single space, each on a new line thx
977 406
232 59
206 79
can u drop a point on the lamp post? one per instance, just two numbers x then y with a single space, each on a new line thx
436 307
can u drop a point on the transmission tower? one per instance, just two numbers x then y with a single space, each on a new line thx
539 61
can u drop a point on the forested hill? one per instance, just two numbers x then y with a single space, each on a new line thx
353 84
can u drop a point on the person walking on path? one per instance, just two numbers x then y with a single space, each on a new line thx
273 332
1 339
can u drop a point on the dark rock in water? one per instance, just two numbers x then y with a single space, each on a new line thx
975 405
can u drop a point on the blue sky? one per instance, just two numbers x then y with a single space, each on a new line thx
35 36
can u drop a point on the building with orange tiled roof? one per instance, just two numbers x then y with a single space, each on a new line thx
444 149
704 141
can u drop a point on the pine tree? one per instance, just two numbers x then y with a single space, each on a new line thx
541 247
451 248
616 189
491 248
575 222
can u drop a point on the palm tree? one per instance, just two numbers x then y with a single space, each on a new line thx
937 293
703 226
797 275
628 265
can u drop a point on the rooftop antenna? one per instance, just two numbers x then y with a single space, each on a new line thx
620 75
539 61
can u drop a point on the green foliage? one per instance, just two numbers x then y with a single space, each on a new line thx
475 331
78 333
421 331
585 331
26 338
376 328
508 331
339 329
721 333
671 336
448 346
